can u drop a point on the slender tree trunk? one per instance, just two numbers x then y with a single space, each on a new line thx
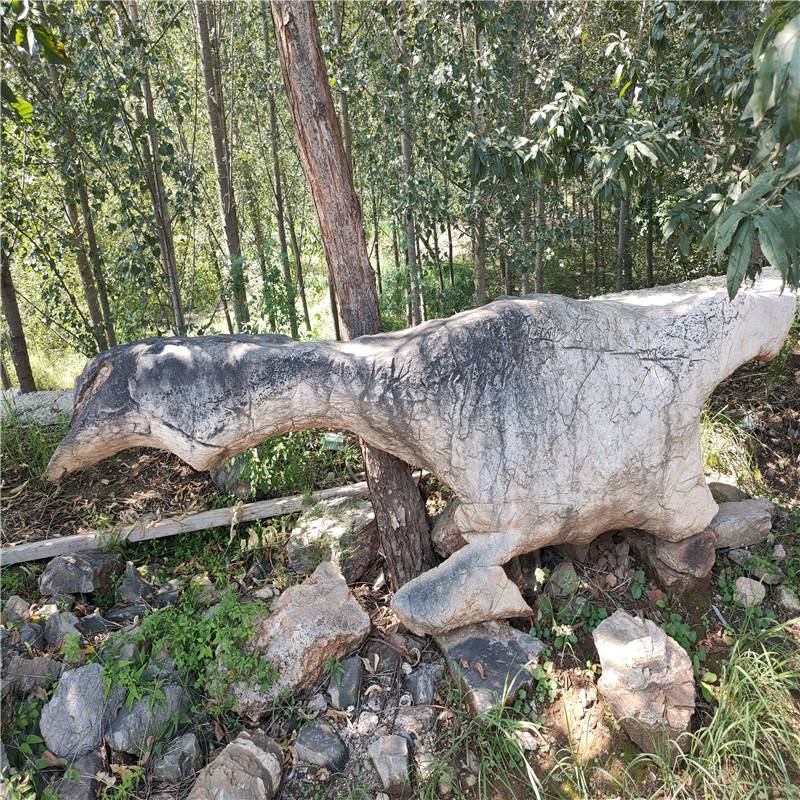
376 241
649 241
581 210
479 248
4 376
449 231
399 511
600 243
595 248
622 240
408 177
540 228
155 183
298 266
337 7
258 236
222 160
223 295
16 333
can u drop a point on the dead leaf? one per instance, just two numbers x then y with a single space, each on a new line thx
480 670
464 663
52 760
219 731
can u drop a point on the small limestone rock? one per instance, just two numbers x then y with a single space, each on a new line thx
75 718
21 675
390 755
779 552
422 683
313 622
367 722
739 556
168 595
770 576
126 614
415 721
748 592
249 768
93 625
726 492
182 758
445 535
135 731
133 588
341 530
682 567
31 635
743 523
59 626
81 573
788 600
647 680
563 582
491 660
317 704
17 611
87 786
343 689
318 743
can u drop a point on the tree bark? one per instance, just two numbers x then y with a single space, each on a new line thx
298 266
16 333
337 7
649 240
258 236
376 242
540 223
622 240
479 249
222 161
222 293
399 511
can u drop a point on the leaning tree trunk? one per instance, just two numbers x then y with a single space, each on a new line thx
399 511
622 240
222 162
298 266
16 333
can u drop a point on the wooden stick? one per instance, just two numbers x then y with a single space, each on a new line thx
157 529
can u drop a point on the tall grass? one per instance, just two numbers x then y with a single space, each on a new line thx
727 447
26 447
52 369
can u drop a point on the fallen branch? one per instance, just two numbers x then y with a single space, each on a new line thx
158 529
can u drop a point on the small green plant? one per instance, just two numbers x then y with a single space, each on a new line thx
727 448
638 582
27 448
334 669
683 634
71 648
125 782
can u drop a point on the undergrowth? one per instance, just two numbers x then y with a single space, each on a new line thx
727 448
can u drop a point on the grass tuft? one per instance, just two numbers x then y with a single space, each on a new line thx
727 448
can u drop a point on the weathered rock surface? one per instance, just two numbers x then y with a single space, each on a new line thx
552 419
391 757
124 615
81 573
133 588
313 622
181 759
341 530
343 689
249 768
59 626
319 744
74 720
135 730
492 661
21 675
743 523
87 787
726 492
748 592
16 610
43 408
680 567
422 683
788 600
563 582
646 679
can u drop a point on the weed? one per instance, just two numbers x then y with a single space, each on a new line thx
683 634
334 669
728 449
125 780
637 584
27 448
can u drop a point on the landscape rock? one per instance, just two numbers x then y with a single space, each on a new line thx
81 573
343 689
415 721
313 622
748 592
779 552
74 720
168 595
133 588
563 582
32 635
422 683
21 675
491 660
743 523
682 567
93 625
249 768
446 536
788 600
739 555
181 759
59 626
17 611
87 787
124 615
390 756
341 530
135 731
646 679
769 576
318 743
726 492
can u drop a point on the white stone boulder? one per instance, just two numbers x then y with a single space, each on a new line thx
742 523
647 681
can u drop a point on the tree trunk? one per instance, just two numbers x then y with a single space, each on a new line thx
540 223
16 333
479 249
399 511
649 241
155 184
376 242
622 240
258 236
449 231
298 266
223 295
337 7
595 249
222 160
408 177
525 235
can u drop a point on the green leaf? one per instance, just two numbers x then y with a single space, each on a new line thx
772 243
740 257
53 50
21 107
762 87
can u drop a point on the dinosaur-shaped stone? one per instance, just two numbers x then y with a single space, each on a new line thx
552 419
